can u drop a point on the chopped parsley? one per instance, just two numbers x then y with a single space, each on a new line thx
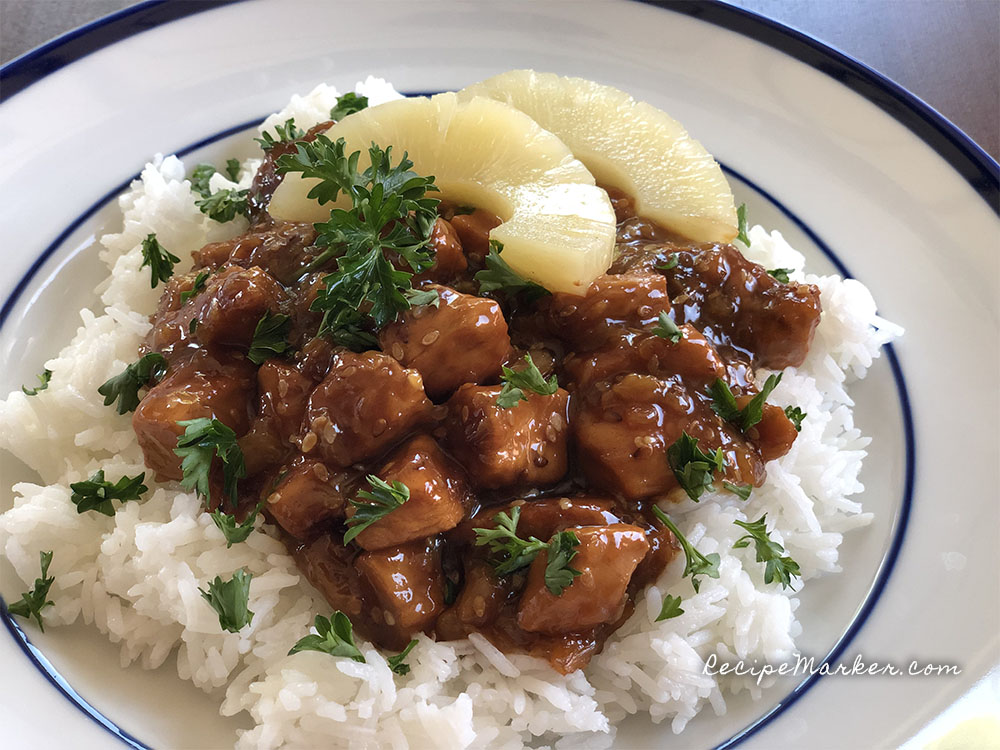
233 531
334 636
418 297
558 573
199 179
778 566
233 169
741 218
381 501
348 104
390 213
695 563
230 600
498 276
724 403
742 491
665 328
795 415
672 261
269 337
780 274
196 287
693 467
285 134
43 383
203 438
33 602
192 325
97 493
516 382
161 262
671 608
397 663
224 205
124 388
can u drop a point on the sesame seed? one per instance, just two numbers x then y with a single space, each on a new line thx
274 498
550 434
329 433
389 619
645 311
397 351
479 606
282 387
379 427
465 413
321 472
309 441
430 338
565 504
557 421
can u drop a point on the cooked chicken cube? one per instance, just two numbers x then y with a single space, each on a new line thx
284 393
408 585
774 434
281 248
305 494
233 302
473 231
439 496
329 567
523 445
462 340
449 258
606 558
205 387
366 403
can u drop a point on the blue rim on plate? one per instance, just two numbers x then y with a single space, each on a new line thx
967 158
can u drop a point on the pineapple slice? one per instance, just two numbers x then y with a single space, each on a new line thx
558 228
628 145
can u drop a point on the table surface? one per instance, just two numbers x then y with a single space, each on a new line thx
947 52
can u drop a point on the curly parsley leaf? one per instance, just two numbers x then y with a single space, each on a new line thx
334 636
97 493
672 260
724 403
795 415
671 608
381 501
418 297
233 169
161 262
233 531
124 388
43 383
558 573
742 491
199 179
516 382
204 438
284 134
348 104
230 600
693 467
224 205
269 337
33 602
665 328
511 552
397 663
196 287
500 277
741 218
695 563
780 274
778 566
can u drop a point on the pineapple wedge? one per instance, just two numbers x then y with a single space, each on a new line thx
628 145
558 228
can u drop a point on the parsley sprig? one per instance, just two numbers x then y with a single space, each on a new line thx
741 218
516 382
398 663
43 383
693 467
500 277
724 403
160 261
562 550
381 501
33 602
269 337
124 388
695 563
233 531
204 438
334 636
230 600
778 566
196 287
348 104
665 328
96 493
795 415
780 274
224 205
742 491
670 608
199 179
284 134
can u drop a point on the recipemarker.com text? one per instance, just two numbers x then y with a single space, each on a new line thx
810 665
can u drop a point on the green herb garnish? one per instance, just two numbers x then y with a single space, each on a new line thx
224 205
334 636
724 403
202 439
199 179
96 493
694 468
233 531
516 382
779 567
418 297
233 169
285 134
742 491
161 263
695 563
665 328
382 500
671 608
348 104
124 388
397 663
33 602
269 337
230 600
795 415
780 274
672 260
498 276
196 287
741 218
43 383
558 573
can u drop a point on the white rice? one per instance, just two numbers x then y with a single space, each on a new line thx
135 576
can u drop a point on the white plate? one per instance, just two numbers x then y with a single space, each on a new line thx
825 164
